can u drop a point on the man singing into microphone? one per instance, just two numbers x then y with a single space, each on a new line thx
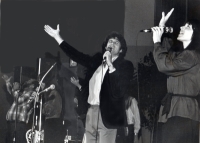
107 85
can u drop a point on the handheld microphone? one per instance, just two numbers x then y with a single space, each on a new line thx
104 59
51 87
166 30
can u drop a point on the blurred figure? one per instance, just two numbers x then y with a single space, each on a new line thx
19 113
129 133
52 112
133 119
81 107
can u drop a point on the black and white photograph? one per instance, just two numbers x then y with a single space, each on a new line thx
99 71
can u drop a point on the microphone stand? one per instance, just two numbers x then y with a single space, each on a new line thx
34 138
14 138
15 131
97 127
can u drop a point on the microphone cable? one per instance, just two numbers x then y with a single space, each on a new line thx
137 68
102 64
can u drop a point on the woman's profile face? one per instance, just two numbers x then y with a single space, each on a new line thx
186 33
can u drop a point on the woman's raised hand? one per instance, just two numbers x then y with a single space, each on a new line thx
165 18
157 33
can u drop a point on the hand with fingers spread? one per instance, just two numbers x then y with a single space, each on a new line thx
157 33
165 18
6 78
8 83
16 86
55 33
76 82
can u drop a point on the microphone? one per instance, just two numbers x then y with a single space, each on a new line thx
166 30
104 59
51 87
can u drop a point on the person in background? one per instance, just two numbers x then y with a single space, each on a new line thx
79 100
179 112
133 119
20 110
107 86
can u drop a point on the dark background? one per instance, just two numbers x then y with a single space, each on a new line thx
83 24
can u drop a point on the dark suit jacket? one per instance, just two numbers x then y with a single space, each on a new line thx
114 87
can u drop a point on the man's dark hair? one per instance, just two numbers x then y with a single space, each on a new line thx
121 40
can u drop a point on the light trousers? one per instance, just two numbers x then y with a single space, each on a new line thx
95 131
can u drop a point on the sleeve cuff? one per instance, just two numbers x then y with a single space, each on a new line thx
60 42
111 71
157 43
80 88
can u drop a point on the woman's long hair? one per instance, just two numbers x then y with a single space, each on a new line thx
195 43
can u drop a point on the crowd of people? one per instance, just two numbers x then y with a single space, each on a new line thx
109 107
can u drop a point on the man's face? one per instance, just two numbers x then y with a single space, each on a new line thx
114 46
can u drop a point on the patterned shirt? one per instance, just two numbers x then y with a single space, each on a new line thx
24 106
